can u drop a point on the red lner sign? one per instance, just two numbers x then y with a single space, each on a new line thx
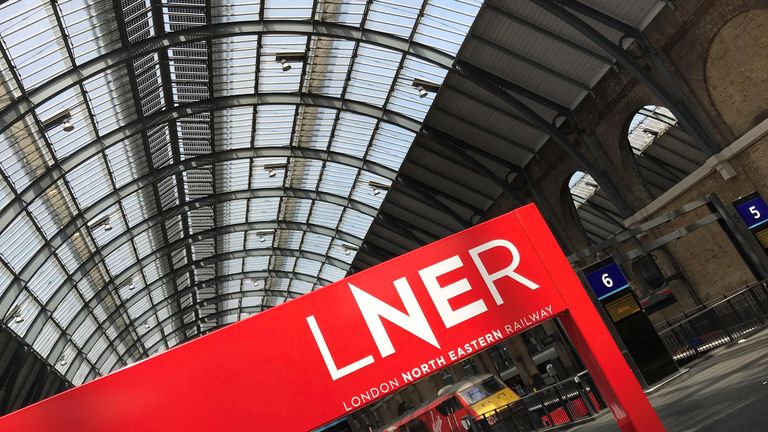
318 357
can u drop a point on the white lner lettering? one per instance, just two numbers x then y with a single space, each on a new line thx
374 309
441 295
336 373
413 320
490 279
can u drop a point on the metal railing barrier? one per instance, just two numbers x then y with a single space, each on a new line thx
735 316
557 405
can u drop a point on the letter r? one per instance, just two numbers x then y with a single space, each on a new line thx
490 279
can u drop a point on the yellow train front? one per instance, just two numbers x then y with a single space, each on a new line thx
482 394
470 398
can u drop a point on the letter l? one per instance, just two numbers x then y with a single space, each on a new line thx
326 353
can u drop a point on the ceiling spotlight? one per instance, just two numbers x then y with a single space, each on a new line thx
62 360
131 287
377 187
348 249
14 314
285 59
101 222
61 118
271 168
425 87
146 325
261 238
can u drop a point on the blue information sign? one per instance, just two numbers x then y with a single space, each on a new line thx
607 280
753 212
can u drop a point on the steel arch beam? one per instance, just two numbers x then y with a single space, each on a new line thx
491 84
61 168
215 259
8 213
17 286
114 197
181 331
117 242
675 102
153 310
113 284
79 74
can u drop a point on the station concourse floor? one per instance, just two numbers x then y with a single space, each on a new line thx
723 392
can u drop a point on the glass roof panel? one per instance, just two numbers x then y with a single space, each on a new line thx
235 10
91 27
274 125
308 147
110 100
233 128
275 77
288 9
48 336
446 23
70 102
45 281
353 134
394 17
36 51
19 242
234 65
372 75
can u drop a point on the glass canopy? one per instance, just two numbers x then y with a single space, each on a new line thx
169 167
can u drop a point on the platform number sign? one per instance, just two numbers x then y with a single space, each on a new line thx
753 210
606 279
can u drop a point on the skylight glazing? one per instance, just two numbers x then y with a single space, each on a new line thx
163 191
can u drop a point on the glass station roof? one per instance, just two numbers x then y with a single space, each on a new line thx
168 167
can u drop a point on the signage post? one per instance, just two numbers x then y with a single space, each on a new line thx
637 333
327 353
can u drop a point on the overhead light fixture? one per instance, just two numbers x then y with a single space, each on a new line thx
14 314
130 286
68 127
146 325
425 87
377 187
61 118
262 235
62 360
348 249
270 168
101 222
285 59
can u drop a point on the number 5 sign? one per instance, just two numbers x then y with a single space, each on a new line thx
753 210
314 359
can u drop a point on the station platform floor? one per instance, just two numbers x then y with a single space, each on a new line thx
725 391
